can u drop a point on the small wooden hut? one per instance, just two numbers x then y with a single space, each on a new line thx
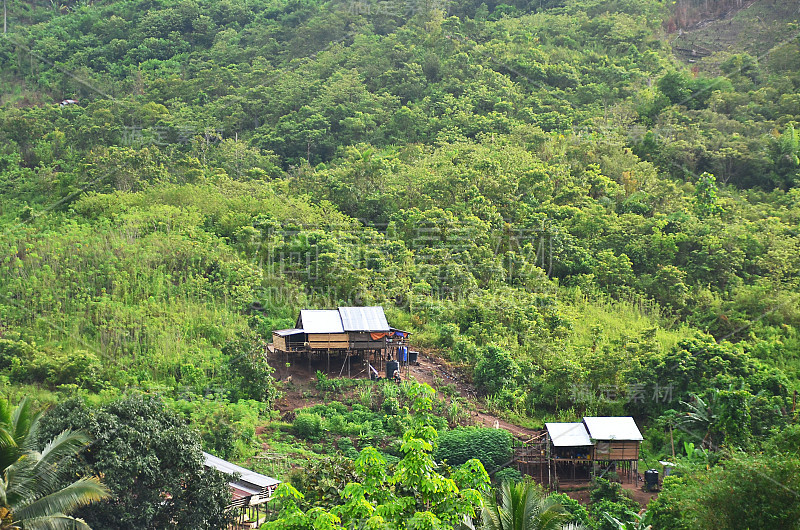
345 332
616 439
250 491
578 450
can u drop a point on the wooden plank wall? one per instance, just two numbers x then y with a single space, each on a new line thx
616 450
279 342
325 341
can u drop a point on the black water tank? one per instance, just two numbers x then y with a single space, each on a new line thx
651 479
412 357
391 367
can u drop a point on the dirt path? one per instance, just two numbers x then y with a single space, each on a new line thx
437 372
640 496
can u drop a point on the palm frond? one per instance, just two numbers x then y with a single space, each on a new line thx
521 507
5 412
68 443
56 522
77 494
24 423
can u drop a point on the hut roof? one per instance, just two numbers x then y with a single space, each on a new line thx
288 332
320 321
370 318
247 476
568 434
344 319
612 428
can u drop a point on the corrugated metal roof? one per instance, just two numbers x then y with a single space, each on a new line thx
370 318
320 321
251 477
568 434
612 428
287 332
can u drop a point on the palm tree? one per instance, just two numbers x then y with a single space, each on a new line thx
702 415
31 496
523 507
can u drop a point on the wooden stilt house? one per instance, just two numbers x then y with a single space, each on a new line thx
592 447
362 332
250 491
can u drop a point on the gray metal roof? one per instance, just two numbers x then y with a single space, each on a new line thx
288 332
612 428
568 434
320 321
370 318
250 477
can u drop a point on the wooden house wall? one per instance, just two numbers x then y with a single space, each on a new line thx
616 450
325 341
279 342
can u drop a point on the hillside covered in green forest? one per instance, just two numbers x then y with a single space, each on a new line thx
550 195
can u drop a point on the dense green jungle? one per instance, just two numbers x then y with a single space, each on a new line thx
580 207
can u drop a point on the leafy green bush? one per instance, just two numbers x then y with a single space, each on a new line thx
391 406
227 429
328 384
508 474
605 490
491 446
13 349
744 491
249 374
308 425
344 444
494 369
618 510
322 481
579 515
78 367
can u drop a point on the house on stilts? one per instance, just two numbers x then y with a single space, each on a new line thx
344 334
578 451
250 492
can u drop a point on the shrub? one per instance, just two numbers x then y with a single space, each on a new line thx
391 406
579 515
491 446
508 474
308 425
344 444
494 369
604 490
617 510
248 374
